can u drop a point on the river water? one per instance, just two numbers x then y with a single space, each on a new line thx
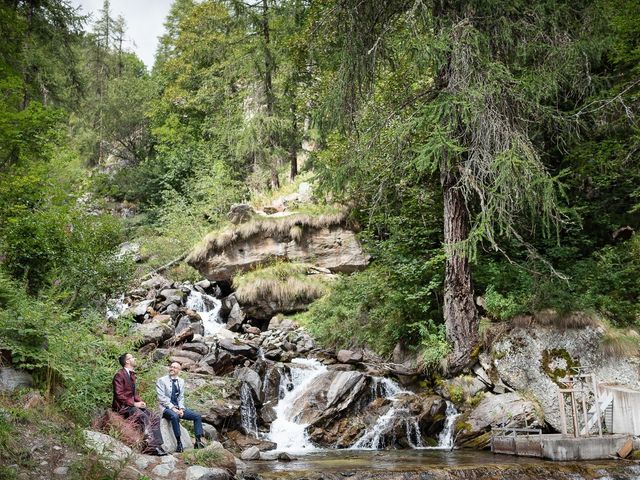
433 464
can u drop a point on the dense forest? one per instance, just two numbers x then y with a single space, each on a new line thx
488 153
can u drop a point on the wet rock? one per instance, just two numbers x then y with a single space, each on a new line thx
431 415
12 379
268 414
225 362
183 324
218 411
271 384
251 453
203 284
348 356
172 310
328 394
236 317
285 457
251 378
227 305
242 442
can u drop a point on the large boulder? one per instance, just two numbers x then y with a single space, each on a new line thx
156 331
169 439
473 428
237 347
327 395
11 379
321 241
251 378
110 448
535 359
196 472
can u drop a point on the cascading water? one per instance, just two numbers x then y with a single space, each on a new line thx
208 308
285 431
376 436
446 438
115 307
248 415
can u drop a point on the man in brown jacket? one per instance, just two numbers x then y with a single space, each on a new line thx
128 403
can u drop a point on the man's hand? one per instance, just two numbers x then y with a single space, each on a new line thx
178 411
139 404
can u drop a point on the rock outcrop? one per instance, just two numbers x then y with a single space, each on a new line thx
12 379
534 359
473 428
323 241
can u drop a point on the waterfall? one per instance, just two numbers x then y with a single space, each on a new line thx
375 437
248 415
115 307
285 431
446 439
208 308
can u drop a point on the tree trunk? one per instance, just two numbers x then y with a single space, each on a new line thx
293 146
461 316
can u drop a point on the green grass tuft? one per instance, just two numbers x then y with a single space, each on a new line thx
282 282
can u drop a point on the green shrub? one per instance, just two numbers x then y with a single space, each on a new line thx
379 307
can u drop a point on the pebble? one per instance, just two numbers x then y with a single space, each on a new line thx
61 471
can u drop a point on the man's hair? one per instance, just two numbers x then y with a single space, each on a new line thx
123 358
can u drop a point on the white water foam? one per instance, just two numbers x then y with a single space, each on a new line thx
374 437
446 438
286 432
116 307
248 415
208 308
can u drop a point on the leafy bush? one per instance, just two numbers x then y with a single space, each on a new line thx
377 308
61 347
48 238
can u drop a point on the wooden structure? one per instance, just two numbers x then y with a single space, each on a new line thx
579 391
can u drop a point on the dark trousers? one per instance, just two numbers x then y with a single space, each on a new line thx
148 422
174 418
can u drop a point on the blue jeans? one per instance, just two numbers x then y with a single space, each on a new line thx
174 418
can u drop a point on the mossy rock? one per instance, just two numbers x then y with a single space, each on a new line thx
557 363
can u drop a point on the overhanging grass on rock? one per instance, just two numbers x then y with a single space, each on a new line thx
281 282
265 226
